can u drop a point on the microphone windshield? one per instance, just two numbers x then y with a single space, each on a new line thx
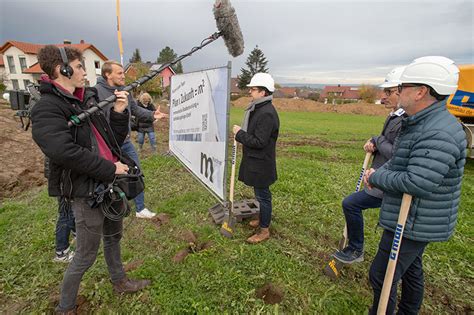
228 26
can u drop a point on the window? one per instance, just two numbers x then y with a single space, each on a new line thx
11 65
16 86
97 64
23 63
26 82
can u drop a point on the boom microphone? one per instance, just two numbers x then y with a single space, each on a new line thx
229 29
228 26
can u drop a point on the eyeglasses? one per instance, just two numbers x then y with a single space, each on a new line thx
389 92
254 89
405 85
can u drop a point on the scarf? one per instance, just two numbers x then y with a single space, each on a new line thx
251 108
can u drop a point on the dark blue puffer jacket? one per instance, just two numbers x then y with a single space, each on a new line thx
428 163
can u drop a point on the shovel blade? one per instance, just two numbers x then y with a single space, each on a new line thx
333 269
228 226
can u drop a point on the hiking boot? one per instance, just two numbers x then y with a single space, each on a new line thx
127 285
254 223
64 256
260 236
349 255
145 214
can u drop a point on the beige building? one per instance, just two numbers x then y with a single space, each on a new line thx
22 67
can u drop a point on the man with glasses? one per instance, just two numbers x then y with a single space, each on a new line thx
428 163
382 149
258 135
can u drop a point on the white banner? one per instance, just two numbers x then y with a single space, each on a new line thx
199 106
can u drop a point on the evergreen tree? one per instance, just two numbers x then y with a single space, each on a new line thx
256 62
167 54
136 57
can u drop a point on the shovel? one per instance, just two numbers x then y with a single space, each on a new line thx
227 228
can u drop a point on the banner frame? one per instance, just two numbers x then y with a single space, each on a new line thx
226 159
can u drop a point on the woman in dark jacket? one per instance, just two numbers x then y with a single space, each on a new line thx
146 127
258 135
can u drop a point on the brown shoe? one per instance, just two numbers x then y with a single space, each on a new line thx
262 235
127 285
254 223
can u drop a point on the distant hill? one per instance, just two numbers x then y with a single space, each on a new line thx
312 85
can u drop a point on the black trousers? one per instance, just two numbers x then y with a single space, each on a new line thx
409 269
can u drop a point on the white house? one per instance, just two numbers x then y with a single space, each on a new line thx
22 67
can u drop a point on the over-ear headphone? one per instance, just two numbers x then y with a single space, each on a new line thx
65 69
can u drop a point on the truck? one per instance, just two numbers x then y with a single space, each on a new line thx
461 104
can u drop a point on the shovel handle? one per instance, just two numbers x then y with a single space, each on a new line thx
344 241
392 259
232 173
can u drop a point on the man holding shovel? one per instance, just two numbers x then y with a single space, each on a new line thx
258 136
382 149
428 164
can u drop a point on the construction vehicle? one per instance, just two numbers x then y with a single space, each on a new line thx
461 104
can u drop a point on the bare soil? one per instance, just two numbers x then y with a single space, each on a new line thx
270 293
21 158
303 105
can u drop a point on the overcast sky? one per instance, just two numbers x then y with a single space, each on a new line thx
304 41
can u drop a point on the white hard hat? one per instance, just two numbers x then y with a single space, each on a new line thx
6 96
438 72
263 79
393 78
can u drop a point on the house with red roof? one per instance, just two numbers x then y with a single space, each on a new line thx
340 94
286 92
22 67
131 70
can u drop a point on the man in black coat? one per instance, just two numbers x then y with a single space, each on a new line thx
81 158
258 135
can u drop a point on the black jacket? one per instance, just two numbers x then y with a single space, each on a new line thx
384 145
145 125
75 165
258 166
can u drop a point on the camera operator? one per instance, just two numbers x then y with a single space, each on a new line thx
81 158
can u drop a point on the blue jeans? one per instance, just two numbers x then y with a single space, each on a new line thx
151 136
264 197
352 206
409 269
129 149
64 225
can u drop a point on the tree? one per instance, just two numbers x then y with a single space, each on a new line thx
256 62
3 82
368 93
167 55
136 56
153 86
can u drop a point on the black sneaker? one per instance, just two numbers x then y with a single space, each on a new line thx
64 256
349 255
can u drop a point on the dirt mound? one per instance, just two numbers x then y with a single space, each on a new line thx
21 158
270 293
301 105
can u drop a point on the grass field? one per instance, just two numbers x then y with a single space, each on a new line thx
319 158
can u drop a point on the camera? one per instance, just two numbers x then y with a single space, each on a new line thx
19 100
22 102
